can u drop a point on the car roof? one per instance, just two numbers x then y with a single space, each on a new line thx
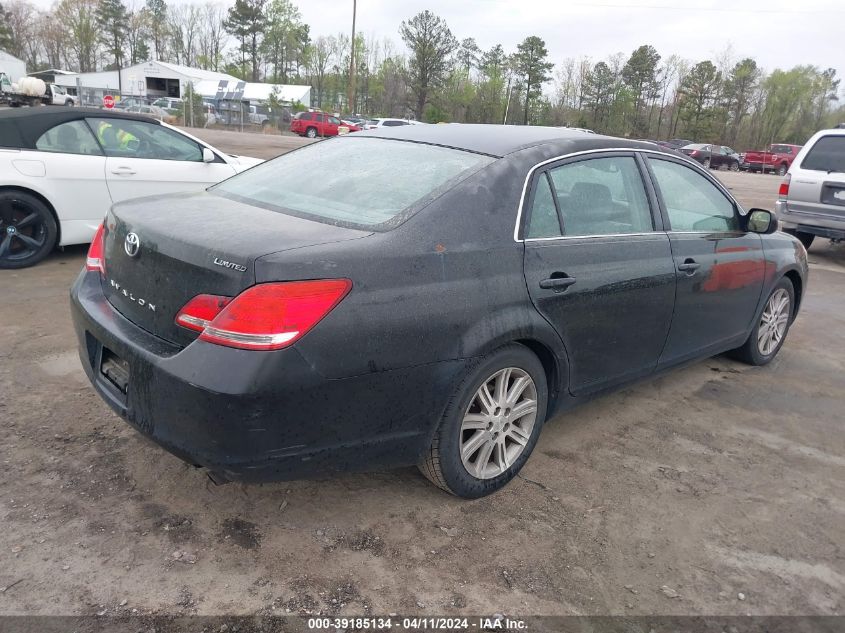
22 127
501 140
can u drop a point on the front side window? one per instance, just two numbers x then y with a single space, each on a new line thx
602 196
390 178
692 202
137 139
72 137
828 154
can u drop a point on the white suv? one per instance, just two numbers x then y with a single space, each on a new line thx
812 196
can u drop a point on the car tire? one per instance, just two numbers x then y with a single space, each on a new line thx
706 163
782 170
805 238
504 443
734 166
28 230
311 132
776 317
68 102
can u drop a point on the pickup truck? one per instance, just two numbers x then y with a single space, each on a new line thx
31 91
777 159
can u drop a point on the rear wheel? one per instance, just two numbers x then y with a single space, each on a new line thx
27 230
706 163
805 238
311 132
772 326
490 425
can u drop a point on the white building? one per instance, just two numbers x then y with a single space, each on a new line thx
148 79
13 67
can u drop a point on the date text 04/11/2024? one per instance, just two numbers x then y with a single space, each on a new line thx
495 623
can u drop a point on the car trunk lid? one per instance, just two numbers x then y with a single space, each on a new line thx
160 252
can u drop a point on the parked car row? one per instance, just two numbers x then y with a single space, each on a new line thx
319 124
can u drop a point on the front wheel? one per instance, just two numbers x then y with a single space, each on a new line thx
490 425
27 230
782 170
734 166
771 328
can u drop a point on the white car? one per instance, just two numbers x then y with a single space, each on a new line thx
62 168
373 124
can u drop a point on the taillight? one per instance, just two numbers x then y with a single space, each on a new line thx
266 316
694 152
96 260
783 192
201 310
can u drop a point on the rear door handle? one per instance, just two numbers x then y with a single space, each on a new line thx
123 171
557 283
689 266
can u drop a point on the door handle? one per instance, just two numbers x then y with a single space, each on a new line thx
689 266
557 283
123 171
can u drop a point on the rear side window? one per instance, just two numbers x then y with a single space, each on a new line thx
304 116
602 196
72 137
390 178
692 202
543 221
781 149
828 154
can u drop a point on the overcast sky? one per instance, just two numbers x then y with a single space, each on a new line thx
777 33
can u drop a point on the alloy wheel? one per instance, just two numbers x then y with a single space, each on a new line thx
498 423
22 230
773 322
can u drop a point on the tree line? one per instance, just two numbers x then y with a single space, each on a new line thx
437 77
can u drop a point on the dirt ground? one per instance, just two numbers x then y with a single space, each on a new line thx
716 489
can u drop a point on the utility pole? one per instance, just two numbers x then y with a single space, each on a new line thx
350 91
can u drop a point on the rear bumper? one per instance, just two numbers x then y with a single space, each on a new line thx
816 224
257 416
756 166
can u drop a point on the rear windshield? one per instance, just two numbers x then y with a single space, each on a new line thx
828 154
359 182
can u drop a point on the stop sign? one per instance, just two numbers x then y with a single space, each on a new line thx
108 102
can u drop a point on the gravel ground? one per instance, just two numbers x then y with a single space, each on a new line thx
716 489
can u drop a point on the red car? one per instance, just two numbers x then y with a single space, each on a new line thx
777 159
314 124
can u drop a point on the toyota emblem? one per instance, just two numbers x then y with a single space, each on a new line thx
132 244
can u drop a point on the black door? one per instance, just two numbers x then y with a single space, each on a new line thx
719 267
597 269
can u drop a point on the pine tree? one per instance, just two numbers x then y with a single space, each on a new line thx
112 19
246 21
532 66
431 44
5 31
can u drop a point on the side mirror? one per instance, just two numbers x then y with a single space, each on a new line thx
207 155
762 221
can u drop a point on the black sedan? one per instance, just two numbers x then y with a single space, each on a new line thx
713 156
477 281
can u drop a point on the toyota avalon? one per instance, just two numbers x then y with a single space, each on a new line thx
436 312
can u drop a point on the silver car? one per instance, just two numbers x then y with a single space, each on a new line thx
812 196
